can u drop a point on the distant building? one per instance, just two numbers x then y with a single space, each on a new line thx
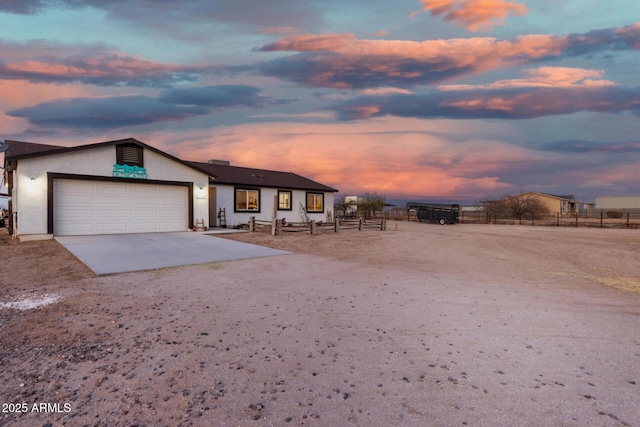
564 204
628 202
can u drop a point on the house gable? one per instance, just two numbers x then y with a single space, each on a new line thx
24 150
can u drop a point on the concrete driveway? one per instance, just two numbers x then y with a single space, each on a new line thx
120 253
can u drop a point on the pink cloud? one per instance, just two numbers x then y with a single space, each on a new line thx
392 156
20 93
459 51
342 61
544 77
474 14
630 33
395 156
310 42
41 61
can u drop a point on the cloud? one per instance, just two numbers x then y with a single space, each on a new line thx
23 7
399 157
394 157
343 61
384 91
596 147
474 15
111 112
310 43
549 77
215 96
121 111
508 103
51 62
159 14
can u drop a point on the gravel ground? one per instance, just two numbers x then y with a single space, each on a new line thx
420 325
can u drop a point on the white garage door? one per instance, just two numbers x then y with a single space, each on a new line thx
100 207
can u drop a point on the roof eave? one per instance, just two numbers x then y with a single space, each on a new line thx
63 150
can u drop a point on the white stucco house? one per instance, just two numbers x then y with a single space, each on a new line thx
126 186
245 192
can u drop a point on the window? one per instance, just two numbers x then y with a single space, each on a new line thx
315 202
247 200
129 154
284 200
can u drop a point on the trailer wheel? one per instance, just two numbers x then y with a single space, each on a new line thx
442 221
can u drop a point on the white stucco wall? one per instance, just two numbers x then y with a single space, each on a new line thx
30 181
225 199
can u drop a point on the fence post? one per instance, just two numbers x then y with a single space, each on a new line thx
557 219
383 225
252 224
360 225
601 216
313 226
576 219
274 227
627 219
336 225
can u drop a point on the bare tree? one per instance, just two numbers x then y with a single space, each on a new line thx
492 209
370 203
344 205
525 206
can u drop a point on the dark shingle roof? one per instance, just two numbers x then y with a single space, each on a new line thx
28 149
236 175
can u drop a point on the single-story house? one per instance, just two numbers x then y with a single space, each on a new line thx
126 186
564 204
238 193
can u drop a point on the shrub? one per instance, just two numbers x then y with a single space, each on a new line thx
614 214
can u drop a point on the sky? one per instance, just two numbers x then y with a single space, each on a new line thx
410 99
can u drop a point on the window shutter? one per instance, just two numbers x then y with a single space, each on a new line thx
129 155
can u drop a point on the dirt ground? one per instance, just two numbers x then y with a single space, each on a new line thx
420 325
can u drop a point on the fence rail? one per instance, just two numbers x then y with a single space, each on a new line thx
279 226
629 219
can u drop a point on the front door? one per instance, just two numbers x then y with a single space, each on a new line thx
213 208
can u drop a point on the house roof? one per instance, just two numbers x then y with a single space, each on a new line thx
565 197
24 150
235 175
19 149
223 174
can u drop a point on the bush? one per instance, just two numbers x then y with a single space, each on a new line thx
614 214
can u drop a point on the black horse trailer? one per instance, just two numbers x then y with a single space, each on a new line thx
435 212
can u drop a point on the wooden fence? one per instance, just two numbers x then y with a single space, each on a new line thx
595 219
277 227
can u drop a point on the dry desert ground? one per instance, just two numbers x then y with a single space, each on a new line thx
420 325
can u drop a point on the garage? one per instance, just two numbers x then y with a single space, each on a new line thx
82 207
114 187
